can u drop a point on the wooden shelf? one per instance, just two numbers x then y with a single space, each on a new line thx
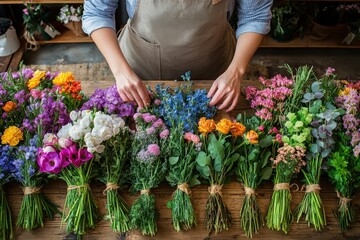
40 1
67 37
309 42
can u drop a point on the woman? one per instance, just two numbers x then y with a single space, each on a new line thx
164 38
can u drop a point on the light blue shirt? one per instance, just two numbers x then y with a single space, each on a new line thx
253 15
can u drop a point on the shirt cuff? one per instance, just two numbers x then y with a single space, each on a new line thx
91 24
255 27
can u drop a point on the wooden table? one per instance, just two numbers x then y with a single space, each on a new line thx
232 193
11 61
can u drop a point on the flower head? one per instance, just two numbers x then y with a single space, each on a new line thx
154 149
9 106
237 129
224 126
206 125
12 136
252 137
35 80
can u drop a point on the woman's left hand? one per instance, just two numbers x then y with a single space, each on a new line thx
225 91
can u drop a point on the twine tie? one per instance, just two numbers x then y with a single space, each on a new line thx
215 189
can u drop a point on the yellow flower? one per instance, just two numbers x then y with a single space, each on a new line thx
10 105
224 126
206 125
63 78
252 137
12 136
237 129
35 80
344 92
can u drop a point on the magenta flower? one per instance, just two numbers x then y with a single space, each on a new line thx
150 118
154 149
84 155
49 162
261 128
25 11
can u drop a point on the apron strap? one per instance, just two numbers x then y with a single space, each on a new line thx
216 1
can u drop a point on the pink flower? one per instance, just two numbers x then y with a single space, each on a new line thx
50 139
165 133
35 93
150 118
65 142
158 123
137 115
250 92
150 130
187 136
264 114
84 155
49 162
192 137
261 128
329 71
25 11
154 149
157 102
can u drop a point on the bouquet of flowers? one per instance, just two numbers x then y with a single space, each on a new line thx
215 162
34 204
182 105
320 98
253 167
115 157
71 154
71 17
287 164
6 168
344 168
148 169
183 151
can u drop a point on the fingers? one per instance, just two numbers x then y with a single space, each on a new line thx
233 105
212 89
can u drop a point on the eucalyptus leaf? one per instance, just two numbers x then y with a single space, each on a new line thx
331 126
325 153
315 87
308 96
314 132
319 95
314 148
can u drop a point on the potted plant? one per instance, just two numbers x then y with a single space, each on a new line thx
285 22
71 17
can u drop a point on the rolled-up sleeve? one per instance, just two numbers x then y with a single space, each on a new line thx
99 14
253 16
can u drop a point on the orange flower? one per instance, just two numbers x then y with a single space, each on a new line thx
63 78
224 126
344 92
35 80
237 129
206 125
10 105
73 89
252 137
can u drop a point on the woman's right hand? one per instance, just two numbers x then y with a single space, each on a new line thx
132 89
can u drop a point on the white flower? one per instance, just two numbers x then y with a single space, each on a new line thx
48 149
49 138
73 115
85 122
64 131
102 120
103 133
100 148
76 132
64 142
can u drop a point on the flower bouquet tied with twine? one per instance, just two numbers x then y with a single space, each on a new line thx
71 17
215 163
148 167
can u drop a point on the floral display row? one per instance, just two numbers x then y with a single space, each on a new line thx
305 125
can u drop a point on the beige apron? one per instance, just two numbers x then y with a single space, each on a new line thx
166 38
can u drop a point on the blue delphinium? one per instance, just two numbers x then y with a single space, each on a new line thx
6 168
182 105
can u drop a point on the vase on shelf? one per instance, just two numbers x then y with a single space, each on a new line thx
75 27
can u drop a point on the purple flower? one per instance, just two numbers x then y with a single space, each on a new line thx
150 118
329 71
15 75
50 162
154 149
27 73
25 11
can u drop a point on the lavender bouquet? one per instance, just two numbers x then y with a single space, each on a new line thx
147 170
6 168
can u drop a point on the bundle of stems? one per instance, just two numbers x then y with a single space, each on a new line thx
311 205
83 213
6 230
116 155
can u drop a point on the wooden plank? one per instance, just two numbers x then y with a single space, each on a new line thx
232 194
5 62
16 59
67 37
